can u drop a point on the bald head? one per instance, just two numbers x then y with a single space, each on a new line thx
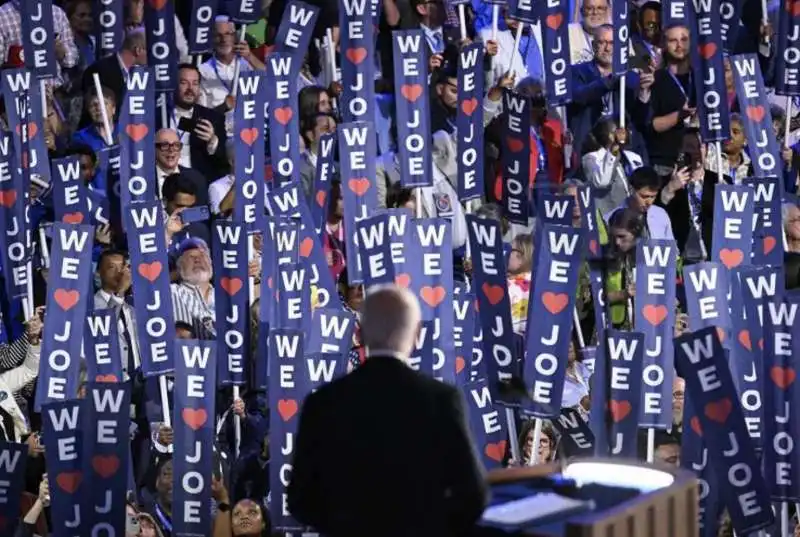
390 320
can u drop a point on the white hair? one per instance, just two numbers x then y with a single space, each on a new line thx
390 320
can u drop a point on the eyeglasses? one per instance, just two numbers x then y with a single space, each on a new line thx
167 146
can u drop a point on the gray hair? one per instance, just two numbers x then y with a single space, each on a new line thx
390 320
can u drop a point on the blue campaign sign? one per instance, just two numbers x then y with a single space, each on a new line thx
732 240
701 361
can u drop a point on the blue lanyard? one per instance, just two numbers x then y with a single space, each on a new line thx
680 86
228 84
162 519
542 159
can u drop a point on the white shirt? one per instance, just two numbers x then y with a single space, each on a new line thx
501 62
580 44
161 176
220 188
186 151
217 80
430 37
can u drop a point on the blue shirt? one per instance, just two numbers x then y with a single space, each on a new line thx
90 137
658 223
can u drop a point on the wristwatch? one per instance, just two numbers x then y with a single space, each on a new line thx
223 507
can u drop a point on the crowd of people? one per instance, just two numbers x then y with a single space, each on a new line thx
652 175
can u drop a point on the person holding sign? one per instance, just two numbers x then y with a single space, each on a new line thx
363 431
625 227
13 424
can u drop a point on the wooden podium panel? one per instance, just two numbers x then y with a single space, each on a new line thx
667 512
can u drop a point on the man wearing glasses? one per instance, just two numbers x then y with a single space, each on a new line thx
646 39
594 13
168 156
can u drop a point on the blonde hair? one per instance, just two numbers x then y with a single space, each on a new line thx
523 243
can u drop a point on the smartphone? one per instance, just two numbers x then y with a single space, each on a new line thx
132 525
684 160
195 214
187 124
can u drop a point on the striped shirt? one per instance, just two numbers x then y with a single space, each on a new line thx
11 357
190 307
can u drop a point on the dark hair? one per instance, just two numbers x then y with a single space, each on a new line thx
110 252
601 131
70 6
628 219
108 95
82 150
183 325
308 101
644 177
661 438
308 123
175 184
190 66
648 6
398 196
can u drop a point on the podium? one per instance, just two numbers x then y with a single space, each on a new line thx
665 506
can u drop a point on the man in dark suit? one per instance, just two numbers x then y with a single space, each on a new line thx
386 450
201 129
114 69
596 94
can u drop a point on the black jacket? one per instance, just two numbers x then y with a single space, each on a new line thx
386 451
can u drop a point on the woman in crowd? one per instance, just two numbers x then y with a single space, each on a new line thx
546 451
576 381
520 264
624 228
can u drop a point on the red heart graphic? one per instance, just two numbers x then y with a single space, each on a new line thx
554 21
793 7
744 339
432 296
249 136
476 305
783 377
69 481
696 427
719 410
655 315
283 115
7 198
555 302
460 364
496 451
66 299
619 410
721 334
761 343
731 258
105 465
24 160
287 408
403 280
269 282
194 417
158 4
106 378
494 293
231 285
756 113
32 130
593 246
321 195
469 106
306 246
72 218
770 242
359 185
136 131
707 50
356 55
514 145
150 271
411 92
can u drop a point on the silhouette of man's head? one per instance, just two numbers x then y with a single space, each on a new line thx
390 321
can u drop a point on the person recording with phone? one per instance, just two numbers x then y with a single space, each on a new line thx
201 130
688 198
